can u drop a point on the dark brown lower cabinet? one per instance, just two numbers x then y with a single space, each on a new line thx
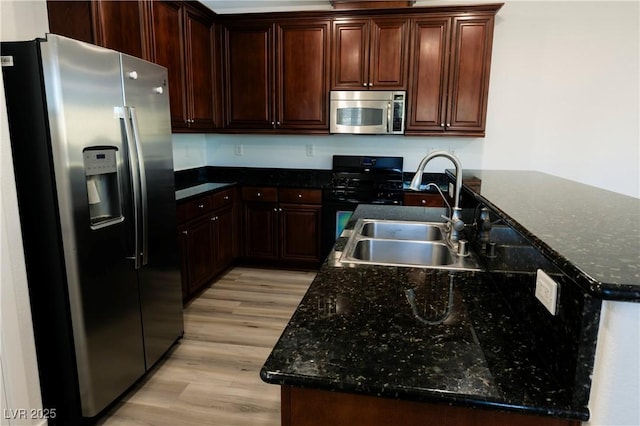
423 199
208 235
282 226
196 248
312 407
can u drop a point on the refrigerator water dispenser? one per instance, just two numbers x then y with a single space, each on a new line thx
103 189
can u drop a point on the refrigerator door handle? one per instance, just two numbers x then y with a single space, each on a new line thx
135 181
143 187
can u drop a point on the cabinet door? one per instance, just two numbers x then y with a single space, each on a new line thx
470 62
199 247
249 76
120 25
260 239
167 42
426 108
300 232
389 50
184 264
350 55
303 75
223 230
199 69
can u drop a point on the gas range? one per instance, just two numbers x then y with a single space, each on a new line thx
365 179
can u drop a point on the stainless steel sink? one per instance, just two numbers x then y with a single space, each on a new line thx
403 243
397 230
402 252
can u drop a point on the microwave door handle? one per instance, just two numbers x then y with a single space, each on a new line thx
389 118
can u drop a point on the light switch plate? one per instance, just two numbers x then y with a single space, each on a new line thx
547 291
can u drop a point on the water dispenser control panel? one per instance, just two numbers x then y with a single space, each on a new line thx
99 161
103 186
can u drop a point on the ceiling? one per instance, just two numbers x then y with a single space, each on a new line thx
258 6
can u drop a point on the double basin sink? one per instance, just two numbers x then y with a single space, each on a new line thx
401 243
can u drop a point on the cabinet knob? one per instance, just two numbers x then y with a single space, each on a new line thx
364 84
185 232
133 75
279 210
275 209
201 206
441 124
259 194
448 124
299 195
423 201
226 198
370 84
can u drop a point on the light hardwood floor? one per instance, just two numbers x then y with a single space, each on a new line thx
211 377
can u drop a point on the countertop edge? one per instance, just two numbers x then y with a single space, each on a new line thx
435 397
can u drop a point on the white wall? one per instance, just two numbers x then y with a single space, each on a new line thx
615 392
564 99
18 366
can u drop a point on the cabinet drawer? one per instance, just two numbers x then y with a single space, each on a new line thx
191 209
302 196
425 200
224 198
260 193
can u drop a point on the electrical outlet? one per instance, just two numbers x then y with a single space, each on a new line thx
310 150
547 291
239 149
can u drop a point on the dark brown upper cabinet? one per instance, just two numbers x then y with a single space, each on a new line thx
117 25
183 41
449 75
277 75
370 53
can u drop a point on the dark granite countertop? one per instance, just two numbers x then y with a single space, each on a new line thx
254 176
199 189
355 331
592 233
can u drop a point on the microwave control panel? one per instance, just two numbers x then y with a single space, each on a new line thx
397 124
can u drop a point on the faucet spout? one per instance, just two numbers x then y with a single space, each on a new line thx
417 178
455 219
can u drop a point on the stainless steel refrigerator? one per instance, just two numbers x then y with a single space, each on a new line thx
91 143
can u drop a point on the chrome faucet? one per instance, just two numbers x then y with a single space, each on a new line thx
455 219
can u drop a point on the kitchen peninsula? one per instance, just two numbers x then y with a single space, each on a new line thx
354 337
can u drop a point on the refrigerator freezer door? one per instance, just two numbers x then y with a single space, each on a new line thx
83 92
146 95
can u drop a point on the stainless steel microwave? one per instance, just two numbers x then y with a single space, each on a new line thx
367 112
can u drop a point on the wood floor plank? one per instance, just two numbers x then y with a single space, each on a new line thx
211 376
